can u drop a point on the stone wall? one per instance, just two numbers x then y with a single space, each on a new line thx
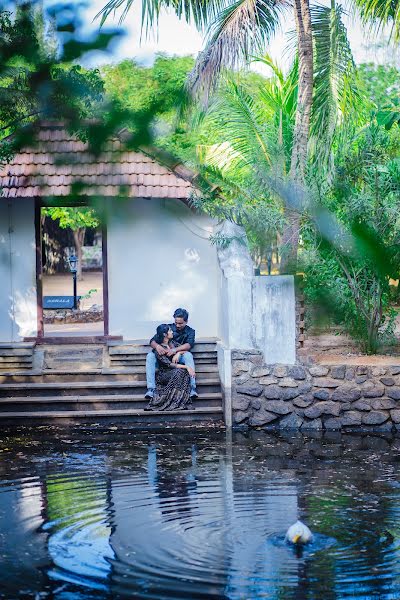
94 314
313 397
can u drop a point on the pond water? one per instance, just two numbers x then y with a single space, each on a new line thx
90 513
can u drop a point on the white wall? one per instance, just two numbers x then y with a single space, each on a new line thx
160 258
18 311
274 318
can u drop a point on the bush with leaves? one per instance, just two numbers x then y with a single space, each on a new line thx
348 271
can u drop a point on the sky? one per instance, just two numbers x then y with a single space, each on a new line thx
177 37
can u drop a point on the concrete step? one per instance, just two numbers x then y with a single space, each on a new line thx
136 415
206 383
70 375
16 345
200 368
100 402
127 350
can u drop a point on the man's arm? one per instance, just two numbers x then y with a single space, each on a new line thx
159 349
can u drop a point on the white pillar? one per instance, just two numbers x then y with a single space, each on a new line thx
237 268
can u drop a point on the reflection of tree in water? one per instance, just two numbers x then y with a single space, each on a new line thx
173 478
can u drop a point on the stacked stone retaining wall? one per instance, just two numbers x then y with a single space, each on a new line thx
336 397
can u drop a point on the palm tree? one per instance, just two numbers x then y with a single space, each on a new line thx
237 29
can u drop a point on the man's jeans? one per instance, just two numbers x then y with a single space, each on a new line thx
151 364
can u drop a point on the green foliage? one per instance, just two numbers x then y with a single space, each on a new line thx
380 84
73 217
348 271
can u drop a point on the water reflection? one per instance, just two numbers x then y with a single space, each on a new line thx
197 515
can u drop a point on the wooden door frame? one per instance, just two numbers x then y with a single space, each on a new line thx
41 338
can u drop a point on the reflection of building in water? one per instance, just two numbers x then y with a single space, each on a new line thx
197 523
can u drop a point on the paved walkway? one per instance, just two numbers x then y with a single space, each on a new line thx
61 285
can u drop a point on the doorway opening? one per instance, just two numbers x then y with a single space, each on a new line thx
73 273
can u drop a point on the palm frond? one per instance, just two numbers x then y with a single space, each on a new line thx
199 12
236 121
335 88
240 30
380 13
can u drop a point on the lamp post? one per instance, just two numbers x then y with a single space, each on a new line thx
73 261
269 261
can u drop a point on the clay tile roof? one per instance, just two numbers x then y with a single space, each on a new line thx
59 160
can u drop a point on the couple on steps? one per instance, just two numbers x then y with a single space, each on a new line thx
173 387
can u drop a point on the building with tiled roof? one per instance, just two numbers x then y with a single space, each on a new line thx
58 160
157 253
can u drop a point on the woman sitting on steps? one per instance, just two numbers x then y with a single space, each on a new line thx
172 379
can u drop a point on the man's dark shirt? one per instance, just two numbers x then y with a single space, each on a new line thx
183 336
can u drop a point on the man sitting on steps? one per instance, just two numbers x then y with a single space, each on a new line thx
184 338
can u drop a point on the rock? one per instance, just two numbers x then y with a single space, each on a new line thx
387 381
305 387
350 373
256 360
240 366
325 382
338 372
346 393
260 371
288 382
273 392
346 406
351 417
322 408
319 371
240 403
303 402
395 370
394 393
291 421
362 405
313 424
362 371
279 406
256 404
322 394
241 379
372 390
375 417
245 354
395 414
385 428
361 378
261 418
333 424
297 372
267 380
378 371
385 403
280 371
289 393
240 416
250 389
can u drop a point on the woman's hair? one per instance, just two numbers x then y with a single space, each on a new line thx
161 332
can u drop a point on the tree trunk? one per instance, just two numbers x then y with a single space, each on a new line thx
79 238
290 237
